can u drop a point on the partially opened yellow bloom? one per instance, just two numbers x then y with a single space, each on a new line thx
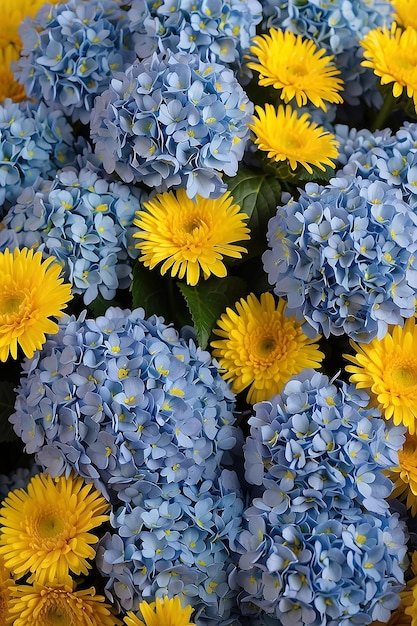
392 54
286 136
298 67
190 236
45 530
163 612
31 292
53 604
261 348
387 369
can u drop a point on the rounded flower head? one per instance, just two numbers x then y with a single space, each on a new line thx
297 67
391 54
405 13
387 368
404 476
163 612
53 605
262 348
189 236
287 137
45 529
32 291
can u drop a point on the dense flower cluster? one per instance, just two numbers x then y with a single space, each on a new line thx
337 26
125 401
173 121
70 52
111 396
344 253
320 546
34 141
84 221
219 32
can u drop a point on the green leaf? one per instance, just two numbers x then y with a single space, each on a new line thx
208 300
258 195
7 401
151 291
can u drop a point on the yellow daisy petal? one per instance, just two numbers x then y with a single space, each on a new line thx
45 529
52 603
387 368
190 237
404 12
391 54
163 612
287 137
297 67
262 348
32 291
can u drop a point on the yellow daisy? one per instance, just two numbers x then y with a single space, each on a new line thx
163 612
45 529
190 236
58 605
404 476
404 12
13 12
296 66
392 54
31 292
261 348
5 586
285 136
387 368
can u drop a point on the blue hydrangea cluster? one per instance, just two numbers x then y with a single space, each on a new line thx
344 254
319 544
84 221
218 31
125 401
337 26
175 539
34 141
173 121
71 50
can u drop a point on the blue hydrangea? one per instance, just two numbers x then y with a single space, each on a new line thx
70 52
84 221
319 545
344 254
218 31
126 402
35 140
18 479
337 26
173 121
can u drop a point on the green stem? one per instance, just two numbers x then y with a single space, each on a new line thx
385 111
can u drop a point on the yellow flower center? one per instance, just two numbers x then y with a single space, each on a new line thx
51 525
266 346
10 303
58 616
406 374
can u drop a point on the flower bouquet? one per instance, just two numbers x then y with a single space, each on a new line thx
208 341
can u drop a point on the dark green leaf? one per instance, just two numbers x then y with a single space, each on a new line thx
258 195
7 401
208 300
151 291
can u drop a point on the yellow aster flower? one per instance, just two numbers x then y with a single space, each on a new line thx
31 292
58 605
287 137
296 66
163 612
392 54
5 586
45 529
387 369
261 348
404 476
190 236
404 12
